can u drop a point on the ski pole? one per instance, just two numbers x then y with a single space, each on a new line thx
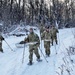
55 48
40 39
43 55
58 38
9 46
41 45
23 54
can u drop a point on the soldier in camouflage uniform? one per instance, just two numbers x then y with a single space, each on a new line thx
54 32
46 36
1 38
42 28
32 37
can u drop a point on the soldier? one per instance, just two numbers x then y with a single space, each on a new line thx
1 38
54 32
34 39
46 36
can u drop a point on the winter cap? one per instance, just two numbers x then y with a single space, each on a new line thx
31 28
47 27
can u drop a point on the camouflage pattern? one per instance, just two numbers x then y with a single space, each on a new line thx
54 32
1 38
32 37
41 29
47 47
46 36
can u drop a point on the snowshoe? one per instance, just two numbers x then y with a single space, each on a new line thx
47 55
30 63
39 60
56 53
1 51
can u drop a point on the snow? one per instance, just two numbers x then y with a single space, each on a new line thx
1 24
11 62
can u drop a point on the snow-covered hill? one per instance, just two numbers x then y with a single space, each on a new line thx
60 64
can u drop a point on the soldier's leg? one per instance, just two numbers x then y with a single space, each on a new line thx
36 52
47 51
1 47
30 56
47 47
52 41
56 40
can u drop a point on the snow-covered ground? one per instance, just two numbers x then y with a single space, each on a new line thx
60 64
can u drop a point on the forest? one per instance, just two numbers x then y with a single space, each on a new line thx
36 12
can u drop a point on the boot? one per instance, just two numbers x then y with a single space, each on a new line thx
52 43
56 42
1 51
30 63
47 55
38 59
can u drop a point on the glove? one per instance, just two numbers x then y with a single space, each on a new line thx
37 43
51 37
22 42
2 38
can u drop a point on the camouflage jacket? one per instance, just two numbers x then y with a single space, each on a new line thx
41 29
46 36
32 37
1 38
54 32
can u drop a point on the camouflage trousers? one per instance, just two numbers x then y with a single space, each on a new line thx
1 47
54 38
47 47
33 49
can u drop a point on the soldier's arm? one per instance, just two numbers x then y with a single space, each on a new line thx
51 34
37 39
26 39
2 38
57 31
42 35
